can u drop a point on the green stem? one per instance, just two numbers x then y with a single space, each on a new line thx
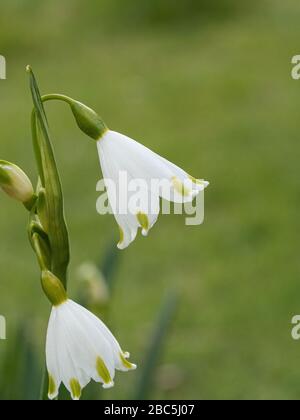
44 385
39 252
57 97
50 180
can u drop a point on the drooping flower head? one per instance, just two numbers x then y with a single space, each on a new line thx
158 178
79 346
146 171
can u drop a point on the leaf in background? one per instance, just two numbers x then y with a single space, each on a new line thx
156 344
57 229
21 365
110 264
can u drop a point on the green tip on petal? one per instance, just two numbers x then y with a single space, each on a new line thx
180 188
75 389
52 391
198 181
126 363
103 372
121 236
194 180
143 221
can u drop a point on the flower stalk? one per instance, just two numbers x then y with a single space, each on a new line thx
51 195
79 346
86 118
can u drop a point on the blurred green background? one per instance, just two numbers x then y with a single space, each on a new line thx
206 84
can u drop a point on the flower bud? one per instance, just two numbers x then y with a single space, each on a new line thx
15 182
87 120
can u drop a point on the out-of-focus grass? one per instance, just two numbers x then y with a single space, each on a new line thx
216 98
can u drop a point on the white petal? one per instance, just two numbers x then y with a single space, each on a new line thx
51 357
69 369
114 164
127 222
121 155
105 333
96 344
142 163
80 348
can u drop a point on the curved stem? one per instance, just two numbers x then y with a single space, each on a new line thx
57 97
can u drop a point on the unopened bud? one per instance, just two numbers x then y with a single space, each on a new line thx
87 120
15 182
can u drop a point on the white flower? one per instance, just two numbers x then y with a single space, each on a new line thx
80 348
121 155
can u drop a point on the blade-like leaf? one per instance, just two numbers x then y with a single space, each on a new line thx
50 180
19 374
156 344
110 264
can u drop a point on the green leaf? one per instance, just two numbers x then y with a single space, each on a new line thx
19 371
50 180
110 264
156 344
42 209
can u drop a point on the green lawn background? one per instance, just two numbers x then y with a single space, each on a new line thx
213 94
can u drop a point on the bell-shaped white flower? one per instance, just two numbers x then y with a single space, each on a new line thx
145 171
80 348
129 166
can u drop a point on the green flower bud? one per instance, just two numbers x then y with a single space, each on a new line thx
16 183
87 120
53 288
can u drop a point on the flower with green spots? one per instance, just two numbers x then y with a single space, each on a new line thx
79 346
125 161
128 167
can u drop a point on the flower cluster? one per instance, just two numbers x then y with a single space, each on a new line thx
79 347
